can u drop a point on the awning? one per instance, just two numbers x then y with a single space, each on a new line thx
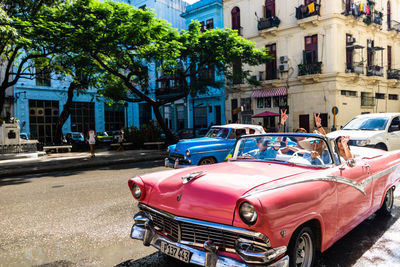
266 114
270 92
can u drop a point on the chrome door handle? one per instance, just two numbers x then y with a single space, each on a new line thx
366 165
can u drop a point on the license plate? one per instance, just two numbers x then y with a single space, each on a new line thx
176 252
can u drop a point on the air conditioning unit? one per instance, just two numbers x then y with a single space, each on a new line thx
283 59
283 67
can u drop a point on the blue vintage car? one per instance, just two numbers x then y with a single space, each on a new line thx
212 148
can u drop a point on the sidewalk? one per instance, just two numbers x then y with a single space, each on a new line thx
75 160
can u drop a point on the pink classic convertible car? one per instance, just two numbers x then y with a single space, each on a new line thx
270 204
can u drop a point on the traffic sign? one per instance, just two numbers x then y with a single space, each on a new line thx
335 110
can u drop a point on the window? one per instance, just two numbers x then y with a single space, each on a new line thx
348 93
236 19
349 52
324 119
393 97
144 114
210 24
389 24
270 69
267 102
43 75
237 71
234 105
82 117
114 116
379 96
283 101
370 52
260 102
43 117
269 8
180 118
389 57
202 27
200 117
275 101
310 55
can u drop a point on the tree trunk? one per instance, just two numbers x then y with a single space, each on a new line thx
58 139
2 98
168 134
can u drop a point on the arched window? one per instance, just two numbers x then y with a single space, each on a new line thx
235 18
269 8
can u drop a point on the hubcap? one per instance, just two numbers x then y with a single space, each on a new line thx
304 251
389 199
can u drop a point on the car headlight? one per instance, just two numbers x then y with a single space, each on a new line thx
362 142
248 213
137 192
188 153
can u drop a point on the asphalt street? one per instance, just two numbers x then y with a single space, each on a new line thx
84 217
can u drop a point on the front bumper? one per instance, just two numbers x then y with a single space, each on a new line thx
143 230
177 163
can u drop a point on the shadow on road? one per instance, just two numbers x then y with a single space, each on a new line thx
4 181
352 246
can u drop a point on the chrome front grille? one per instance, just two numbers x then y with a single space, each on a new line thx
182 230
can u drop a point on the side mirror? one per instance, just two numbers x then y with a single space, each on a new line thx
351 163
341 127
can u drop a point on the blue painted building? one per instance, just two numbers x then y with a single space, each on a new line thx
39 102
208 108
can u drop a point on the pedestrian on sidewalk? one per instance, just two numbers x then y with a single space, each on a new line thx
121 140
91 137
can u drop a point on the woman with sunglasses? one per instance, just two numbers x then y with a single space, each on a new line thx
343 147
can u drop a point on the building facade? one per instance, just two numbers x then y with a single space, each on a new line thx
327 54
208 108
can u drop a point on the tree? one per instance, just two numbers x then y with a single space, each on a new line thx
124 41
23 38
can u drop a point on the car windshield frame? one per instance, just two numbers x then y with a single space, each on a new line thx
362 122
290 139
219 132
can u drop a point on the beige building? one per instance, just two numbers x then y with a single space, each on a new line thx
338 53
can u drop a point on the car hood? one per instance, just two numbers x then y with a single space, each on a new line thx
214 194
354 134
183 145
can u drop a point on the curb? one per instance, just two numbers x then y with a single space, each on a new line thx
72 164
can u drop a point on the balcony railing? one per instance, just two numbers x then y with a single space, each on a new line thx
266 23
374 70
308 69
367 101
393 74
303 11
357 67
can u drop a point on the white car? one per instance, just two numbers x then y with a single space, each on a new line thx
378 130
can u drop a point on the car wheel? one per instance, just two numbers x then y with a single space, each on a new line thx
381 146
207 161
387 204
302 248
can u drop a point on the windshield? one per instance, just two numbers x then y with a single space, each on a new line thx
77 136
102 134
218 132
296 149
365 123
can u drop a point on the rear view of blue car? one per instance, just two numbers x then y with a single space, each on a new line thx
212 148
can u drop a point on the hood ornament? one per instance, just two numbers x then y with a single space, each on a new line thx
191 176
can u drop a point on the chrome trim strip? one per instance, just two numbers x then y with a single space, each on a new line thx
337 179
223 227
220 150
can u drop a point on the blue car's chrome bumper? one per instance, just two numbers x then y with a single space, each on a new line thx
177 163
143 230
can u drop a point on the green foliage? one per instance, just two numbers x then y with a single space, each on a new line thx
137 137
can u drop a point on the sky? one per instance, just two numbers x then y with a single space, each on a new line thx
191 1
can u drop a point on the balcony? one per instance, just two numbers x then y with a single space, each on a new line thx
267 23
310 10
374 70
309 69
357 67
367 101
393 74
